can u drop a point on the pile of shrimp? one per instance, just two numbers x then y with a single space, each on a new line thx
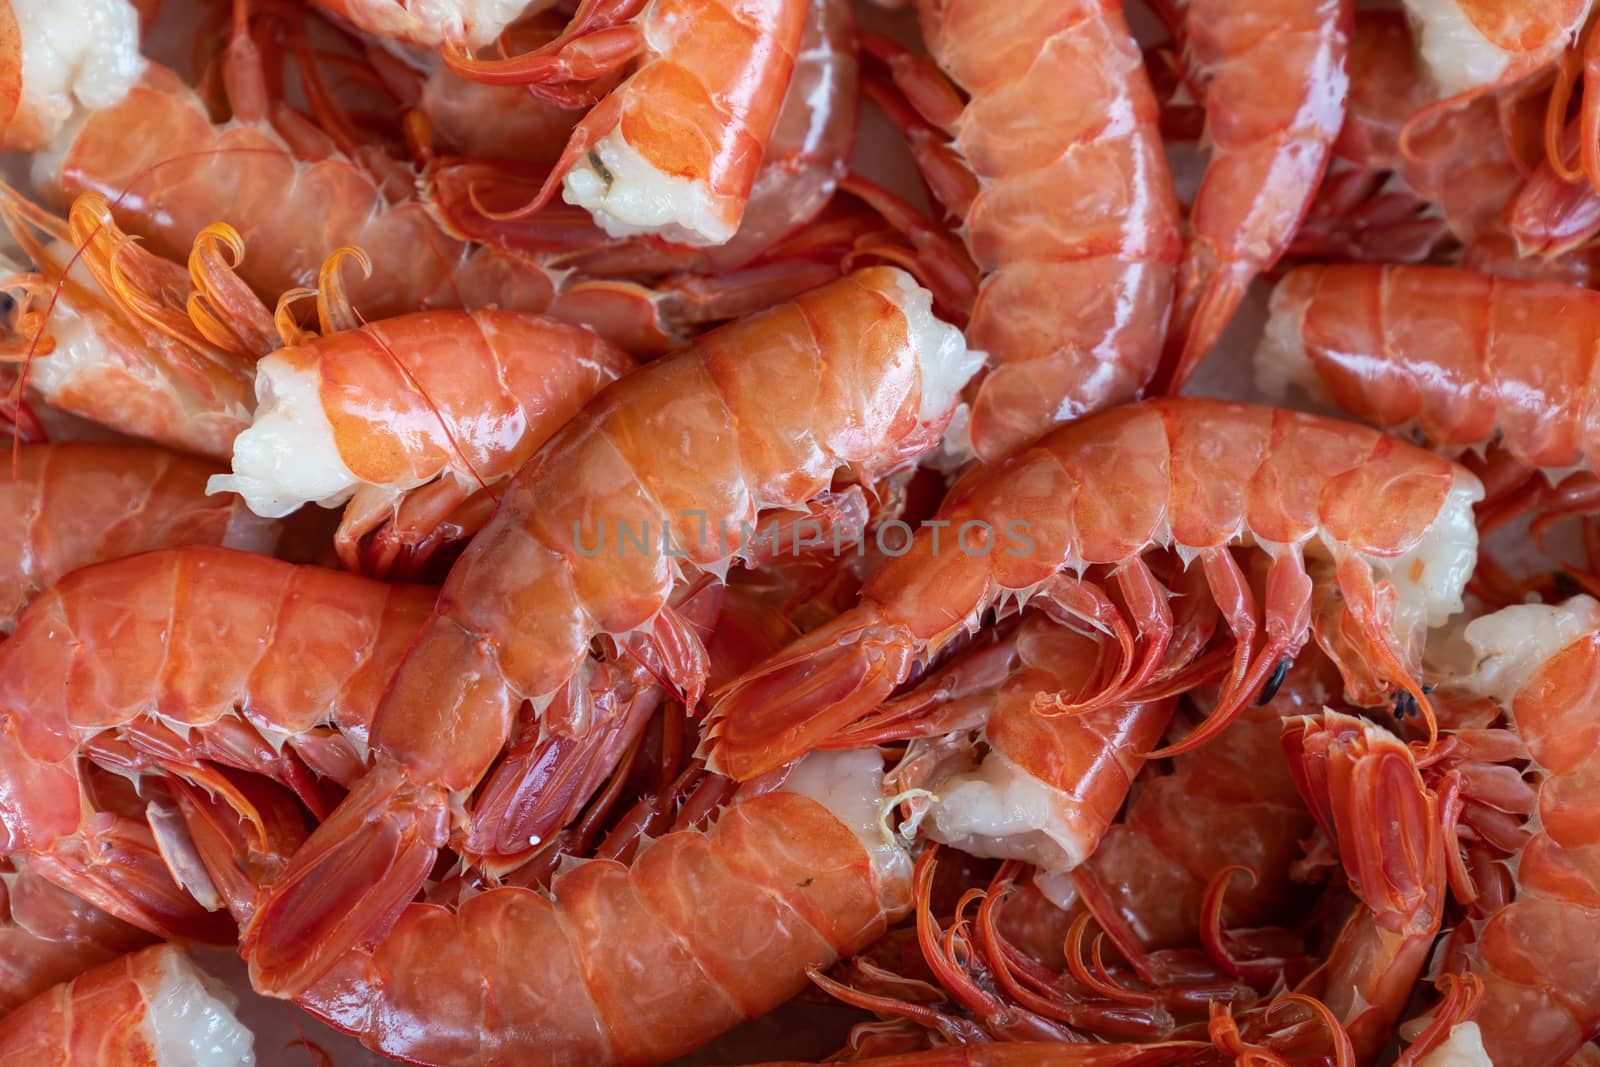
937 533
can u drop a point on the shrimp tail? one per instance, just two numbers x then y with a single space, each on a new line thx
823 683
1198 324
349 884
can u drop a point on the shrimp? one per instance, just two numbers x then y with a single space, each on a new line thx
1274 80
151 1008
673 150
1389 827
1044 789
1034 1054
636 963
170 172
81 345
49 936
1533 946
1194 475
1467 359
760 416
220 658
1232 802
68 506
59 60
408 418
1071 219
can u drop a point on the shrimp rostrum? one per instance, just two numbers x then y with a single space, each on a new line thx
1368 541
644 494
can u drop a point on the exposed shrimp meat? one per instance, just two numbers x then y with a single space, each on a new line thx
60 59
1191 474
68 506
1471 44
151 1008
474 23
856 375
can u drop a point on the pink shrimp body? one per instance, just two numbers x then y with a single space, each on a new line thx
165 661
374 414
68 506
151 1008
49 936
685 453
60 59
636 964
1541 664
1199 475
1466 358
1074 222
169 172
1270 147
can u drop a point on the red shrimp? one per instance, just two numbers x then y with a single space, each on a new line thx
1467 359
674 149
1071 218
637 962
171 662
1273 77
60 59
101 331
691 450
49 936
1394 524
169 172
1035 1054
1389 827
992 777
151 1008
68 506
408 419
1230 803
1531 941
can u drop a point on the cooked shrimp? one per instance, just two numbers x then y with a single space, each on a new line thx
404 420
81 345
636 963
68 506
761 414
674 149
171 661
1533 949
1389 828
151 1008
1273 77
1466 358
170 172
59 60
1393 523
49 936
995 777
1230 803
1071 218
